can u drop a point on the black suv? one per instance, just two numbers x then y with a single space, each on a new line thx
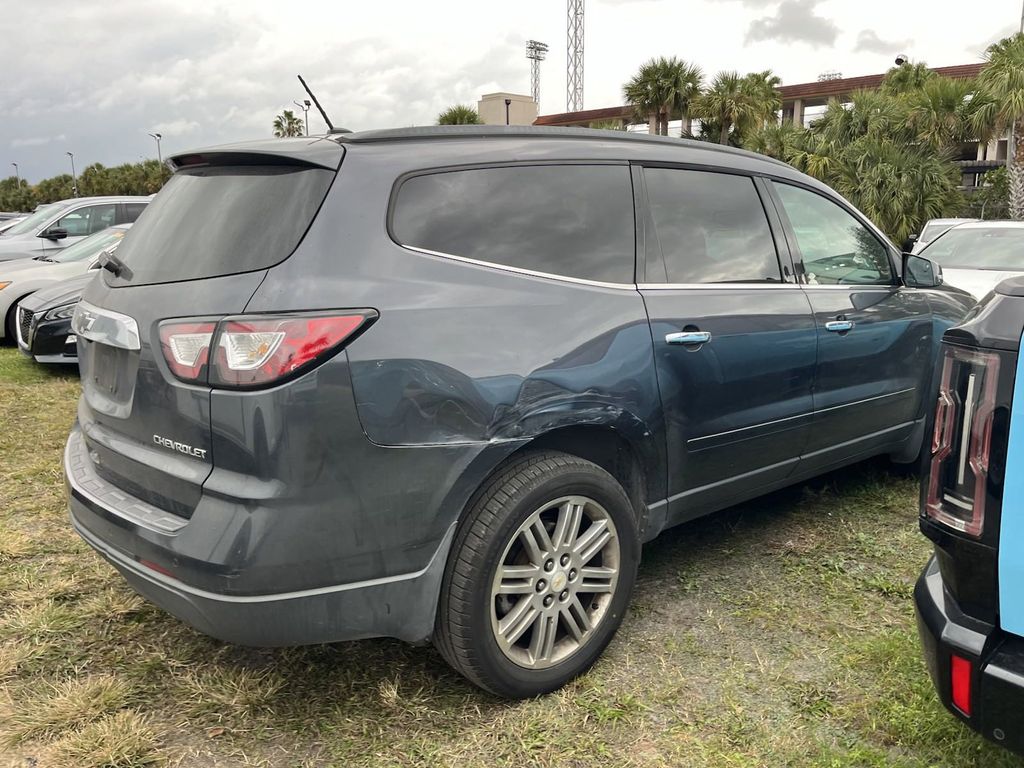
440 384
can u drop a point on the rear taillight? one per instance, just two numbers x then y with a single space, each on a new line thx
258 350
962 441
186 348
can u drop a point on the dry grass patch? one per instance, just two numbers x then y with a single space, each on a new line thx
35 712
124 739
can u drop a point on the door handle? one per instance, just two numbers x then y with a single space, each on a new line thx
688 337
839 326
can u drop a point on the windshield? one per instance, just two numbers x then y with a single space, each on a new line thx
90 248
998 248
33 222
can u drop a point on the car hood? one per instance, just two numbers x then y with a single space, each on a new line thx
23 270
64 292
976 281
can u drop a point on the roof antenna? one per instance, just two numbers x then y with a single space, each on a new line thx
330 126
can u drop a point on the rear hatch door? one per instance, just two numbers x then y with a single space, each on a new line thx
198 252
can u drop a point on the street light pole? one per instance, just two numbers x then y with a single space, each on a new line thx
304 106
508 103
17 174
159 157
74 176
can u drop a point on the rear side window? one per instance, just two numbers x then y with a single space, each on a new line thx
570 220
132 211
711 227
213 221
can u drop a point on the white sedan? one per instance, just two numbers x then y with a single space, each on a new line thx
978 256
22 277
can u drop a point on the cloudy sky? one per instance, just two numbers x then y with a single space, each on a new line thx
95 77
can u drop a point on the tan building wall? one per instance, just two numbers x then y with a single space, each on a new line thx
522 110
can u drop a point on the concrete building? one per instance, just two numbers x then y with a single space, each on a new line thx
507 109
802 104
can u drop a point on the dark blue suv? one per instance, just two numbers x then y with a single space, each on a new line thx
441 384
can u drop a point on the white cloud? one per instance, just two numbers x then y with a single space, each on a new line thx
37 141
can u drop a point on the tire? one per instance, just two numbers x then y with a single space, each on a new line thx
575 586
10 329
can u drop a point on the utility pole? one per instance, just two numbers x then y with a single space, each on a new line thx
159 156
535 52
574 56
74 177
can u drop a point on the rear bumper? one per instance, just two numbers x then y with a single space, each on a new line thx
400 606
997 661
169 560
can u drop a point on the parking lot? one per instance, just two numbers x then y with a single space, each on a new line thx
776 633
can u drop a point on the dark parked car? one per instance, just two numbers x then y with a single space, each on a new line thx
44 321
970 601
440 384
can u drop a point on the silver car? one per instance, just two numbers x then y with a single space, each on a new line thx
50 229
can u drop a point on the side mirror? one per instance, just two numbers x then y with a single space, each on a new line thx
919 272
54 233
908 244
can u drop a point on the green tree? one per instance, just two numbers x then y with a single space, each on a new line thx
459 114
287 124
1001 87
663 89
739 104
906 78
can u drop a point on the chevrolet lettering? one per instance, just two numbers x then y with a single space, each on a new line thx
174 445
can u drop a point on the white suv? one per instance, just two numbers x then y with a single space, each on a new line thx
61 224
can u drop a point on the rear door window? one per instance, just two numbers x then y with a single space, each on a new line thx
710 227
131 212
570 220
222 220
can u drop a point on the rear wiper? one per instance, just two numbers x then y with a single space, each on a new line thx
114 265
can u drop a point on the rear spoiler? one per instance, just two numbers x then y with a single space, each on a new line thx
313 152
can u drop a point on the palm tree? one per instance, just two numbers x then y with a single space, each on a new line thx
905 78
941 110
1001 88
460 114
663 89
287 124
762 91
727 102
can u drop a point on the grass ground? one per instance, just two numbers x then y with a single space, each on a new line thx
778 633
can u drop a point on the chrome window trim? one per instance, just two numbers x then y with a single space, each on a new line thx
714 286
520 270
106 327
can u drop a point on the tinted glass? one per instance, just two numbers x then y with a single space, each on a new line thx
836 248
999 248
223 220
711 227
35 221
565 220
87 220
90 247
132 211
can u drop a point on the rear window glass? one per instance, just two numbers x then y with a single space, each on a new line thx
570 220
216 221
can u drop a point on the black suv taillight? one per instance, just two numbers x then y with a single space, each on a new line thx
256 350
962 442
